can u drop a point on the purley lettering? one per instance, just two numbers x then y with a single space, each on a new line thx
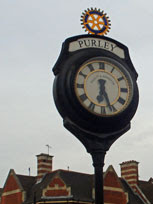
84 43
97 44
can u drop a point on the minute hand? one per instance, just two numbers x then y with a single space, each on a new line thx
107 100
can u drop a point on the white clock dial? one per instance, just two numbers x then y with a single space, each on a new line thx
103 87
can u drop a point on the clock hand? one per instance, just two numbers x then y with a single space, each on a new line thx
100 97
107 100
103 94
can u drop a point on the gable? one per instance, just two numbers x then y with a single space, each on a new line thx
113 189
12 192
111 179
12 183
56 187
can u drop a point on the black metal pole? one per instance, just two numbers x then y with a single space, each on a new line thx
98 163
34 199
97 145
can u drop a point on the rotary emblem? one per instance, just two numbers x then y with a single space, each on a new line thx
95 22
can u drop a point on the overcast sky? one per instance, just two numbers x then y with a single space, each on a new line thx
31 35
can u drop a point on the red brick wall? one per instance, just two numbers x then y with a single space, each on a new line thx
56 188
15 198
56 193
112 180
114 197
11 193
113 191
57 181
11 184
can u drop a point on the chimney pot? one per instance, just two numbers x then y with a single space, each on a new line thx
44 165
129 171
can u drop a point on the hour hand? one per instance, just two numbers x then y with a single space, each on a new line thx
100 97
103 94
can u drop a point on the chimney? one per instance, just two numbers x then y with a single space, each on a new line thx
44 165
129 171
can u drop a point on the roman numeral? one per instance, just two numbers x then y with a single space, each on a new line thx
121 101
83 97
124 90
81 86
82 74
103 111
101 65
91 106
113 109
121 78
90 67
112 69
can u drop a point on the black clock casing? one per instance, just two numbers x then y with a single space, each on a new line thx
66 68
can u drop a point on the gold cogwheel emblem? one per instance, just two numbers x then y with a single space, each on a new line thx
95 21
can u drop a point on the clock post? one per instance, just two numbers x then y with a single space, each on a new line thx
95 91
97 148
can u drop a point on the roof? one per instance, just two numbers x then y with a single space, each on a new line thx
147 189
81 185
132 196
1 190
27 182
36 189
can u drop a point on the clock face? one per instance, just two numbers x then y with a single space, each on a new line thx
103 86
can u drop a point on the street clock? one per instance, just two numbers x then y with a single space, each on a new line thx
95 89
95 85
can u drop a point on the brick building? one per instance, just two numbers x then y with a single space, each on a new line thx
64 186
